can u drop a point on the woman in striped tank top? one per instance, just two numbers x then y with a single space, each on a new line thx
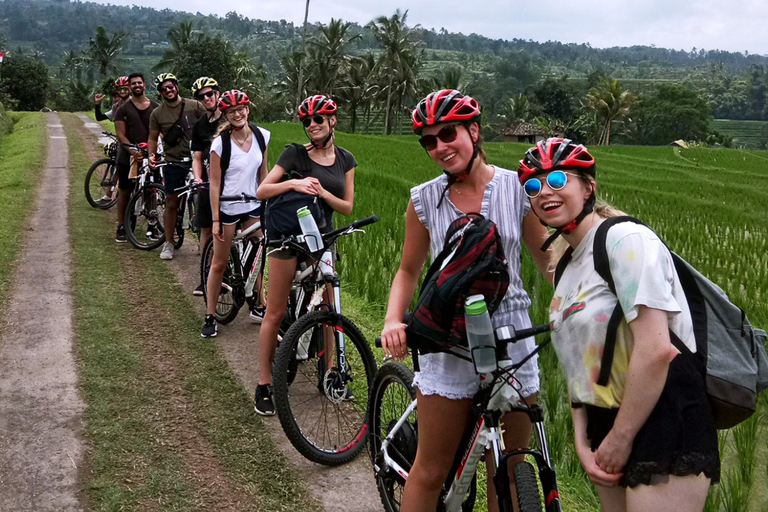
451 135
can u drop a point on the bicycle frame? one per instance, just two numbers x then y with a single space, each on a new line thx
485 421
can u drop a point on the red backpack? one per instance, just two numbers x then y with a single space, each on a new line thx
472 262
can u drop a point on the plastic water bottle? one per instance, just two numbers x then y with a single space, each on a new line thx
309 229
482 341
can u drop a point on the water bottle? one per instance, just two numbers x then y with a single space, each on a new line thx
482 341
309 229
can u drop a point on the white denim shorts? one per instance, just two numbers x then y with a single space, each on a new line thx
450 377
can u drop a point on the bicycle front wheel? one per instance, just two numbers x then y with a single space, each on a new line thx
528 497
226 305
144 218
101 184
391 394
323 411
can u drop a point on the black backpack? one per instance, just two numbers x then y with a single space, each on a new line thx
471 262
729 350
280 219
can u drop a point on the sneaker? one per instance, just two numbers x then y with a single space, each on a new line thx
257 314
211 328
105 199
167 253
264 405
120 236
198 292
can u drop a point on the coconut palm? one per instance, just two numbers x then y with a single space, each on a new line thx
356 88
179 38
104 50
398 63
328 51
612 104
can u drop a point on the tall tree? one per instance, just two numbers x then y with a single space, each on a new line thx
179 38
672 112
612 104
300 81
356 87
104 50
23 81
330 55
398 62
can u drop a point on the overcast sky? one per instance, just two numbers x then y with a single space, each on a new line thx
738 25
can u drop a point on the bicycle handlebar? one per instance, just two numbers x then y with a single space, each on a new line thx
245 198
504 335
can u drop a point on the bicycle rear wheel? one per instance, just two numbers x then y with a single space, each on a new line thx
391 394
144 217
323 415
226 304
101 184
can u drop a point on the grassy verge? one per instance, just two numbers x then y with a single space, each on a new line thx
22 159
166 416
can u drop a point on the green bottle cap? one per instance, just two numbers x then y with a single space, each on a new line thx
303 212
475 305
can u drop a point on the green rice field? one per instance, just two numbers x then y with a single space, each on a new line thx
746 134
708 205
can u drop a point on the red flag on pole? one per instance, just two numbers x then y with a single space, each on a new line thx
2 54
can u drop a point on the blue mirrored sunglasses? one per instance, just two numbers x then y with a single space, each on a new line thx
556 180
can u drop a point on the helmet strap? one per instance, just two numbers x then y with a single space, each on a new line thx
452 178
589 207
328 140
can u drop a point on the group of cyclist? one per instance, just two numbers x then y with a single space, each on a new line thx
647 440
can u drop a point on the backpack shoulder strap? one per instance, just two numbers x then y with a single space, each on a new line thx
564 260
226 156
259 138
603 268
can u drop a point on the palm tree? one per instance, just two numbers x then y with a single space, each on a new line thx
330 54
356 89
612 103
179 39
104 50
398 62
300 80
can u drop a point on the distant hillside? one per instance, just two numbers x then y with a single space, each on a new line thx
54 26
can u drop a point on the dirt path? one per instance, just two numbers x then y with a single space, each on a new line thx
349 488
41 410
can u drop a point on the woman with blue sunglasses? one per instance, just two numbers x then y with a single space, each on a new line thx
646 438
449 125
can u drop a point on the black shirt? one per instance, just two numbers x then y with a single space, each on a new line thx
333 177
203 134
136 126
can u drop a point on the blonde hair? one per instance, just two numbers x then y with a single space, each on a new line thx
223 127
602 209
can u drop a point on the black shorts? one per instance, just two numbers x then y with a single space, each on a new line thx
234 219
679 438
175 177
123 171
204 214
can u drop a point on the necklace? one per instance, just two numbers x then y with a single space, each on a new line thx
473 193
238 142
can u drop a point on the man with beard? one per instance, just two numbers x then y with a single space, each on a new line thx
132 124
174 120
206 91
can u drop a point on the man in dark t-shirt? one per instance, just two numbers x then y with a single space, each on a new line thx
132 124
206 91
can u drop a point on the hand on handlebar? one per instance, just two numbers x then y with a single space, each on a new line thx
393 340
154 160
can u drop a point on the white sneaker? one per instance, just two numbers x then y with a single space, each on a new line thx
257 314
167 253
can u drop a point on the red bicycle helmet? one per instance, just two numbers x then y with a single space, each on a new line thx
444 106
233 98
556 154
122 82
317 104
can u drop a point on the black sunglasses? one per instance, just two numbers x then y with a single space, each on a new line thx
446 134
209 94
318 119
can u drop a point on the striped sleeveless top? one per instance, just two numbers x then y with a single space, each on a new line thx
505 203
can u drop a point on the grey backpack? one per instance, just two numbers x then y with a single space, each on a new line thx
729 350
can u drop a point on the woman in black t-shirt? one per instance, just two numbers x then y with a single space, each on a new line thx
332 178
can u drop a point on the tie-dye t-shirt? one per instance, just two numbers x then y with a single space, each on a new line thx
644 274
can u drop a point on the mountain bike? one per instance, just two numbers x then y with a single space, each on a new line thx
394 436
101 179
324 366
145 212
185 219
244 269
